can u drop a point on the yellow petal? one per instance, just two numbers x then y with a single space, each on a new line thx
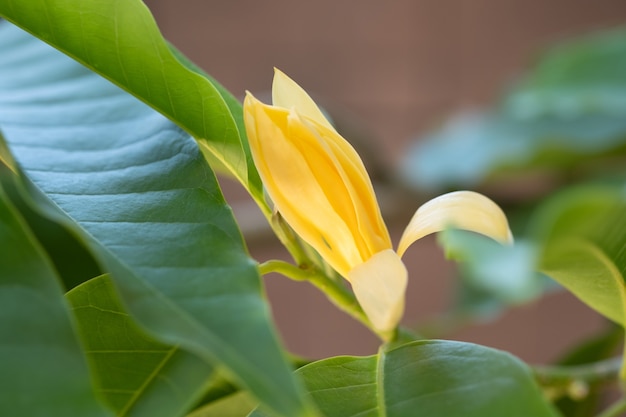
310 187
461 209
379 285
286 93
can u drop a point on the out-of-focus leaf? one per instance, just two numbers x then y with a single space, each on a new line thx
578 238
472 148
238 404
44 373
136 189
599 347
135 374
568 112
506 272
584 76
430 378
121 41
583 233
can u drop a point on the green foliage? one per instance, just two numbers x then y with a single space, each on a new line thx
584 247
136 190
430 378
120 41
44 373
179 322
577 238
135 374
566 118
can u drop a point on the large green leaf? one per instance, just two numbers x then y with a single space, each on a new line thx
426 378
120 40
137 190
44 373
137 375
565 115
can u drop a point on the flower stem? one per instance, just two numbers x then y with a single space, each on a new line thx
593 372
335 291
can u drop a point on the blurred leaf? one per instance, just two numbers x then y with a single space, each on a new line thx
584 76
44 373
583 232
238 404
135 188
578 238
69 255
595 349
135 374
495 144
506 273
429 378
121 41
568 111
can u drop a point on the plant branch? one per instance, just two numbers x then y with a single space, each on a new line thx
335 291
574 381
593 372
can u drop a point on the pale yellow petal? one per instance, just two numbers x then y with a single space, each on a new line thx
361 210
380 286
466 210
286 93
289 162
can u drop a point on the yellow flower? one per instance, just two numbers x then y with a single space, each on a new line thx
319 185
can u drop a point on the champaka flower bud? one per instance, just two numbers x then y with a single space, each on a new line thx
319 185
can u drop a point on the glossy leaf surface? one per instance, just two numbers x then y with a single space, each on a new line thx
137 189
426 378
120 40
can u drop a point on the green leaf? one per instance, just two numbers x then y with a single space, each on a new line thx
583 232
578 238
426 378
567 116
506 272
120 40
135 374
238 404
44 373
584 76
139 193
498 145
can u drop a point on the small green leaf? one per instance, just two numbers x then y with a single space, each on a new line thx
44 373
426 378
120 40
135 374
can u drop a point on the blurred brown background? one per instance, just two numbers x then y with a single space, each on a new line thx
391 70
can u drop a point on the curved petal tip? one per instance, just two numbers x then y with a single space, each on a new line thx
466 210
